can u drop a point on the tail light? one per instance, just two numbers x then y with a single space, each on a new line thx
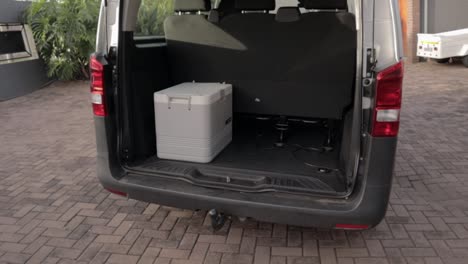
388 102
97 86
351 227
117 192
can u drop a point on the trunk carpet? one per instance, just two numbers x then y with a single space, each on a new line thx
253 149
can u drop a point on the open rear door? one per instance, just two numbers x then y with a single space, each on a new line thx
379 29
108 26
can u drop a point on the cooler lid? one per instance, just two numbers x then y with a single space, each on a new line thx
196 93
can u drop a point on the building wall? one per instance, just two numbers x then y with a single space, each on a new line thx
442 15
21 78
447 15
12 10
24 77
411 21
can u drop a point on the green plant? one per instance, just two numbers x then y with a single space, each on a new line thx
65 32
151 17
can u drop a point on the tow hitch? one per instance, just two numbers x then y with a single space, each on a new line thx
217 219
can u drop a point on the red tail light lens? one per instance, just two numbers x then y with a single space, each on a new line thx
351 227
119 193
388 102
97 86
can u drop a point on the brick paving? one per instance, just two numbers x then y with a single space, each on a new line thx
52 209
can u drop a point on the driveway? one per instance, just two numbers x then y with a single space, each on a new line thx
52 209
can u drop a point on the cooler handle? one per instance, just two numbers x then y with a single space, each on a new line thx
188 98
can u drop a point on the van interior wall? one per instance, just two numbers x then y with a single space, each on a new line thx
288 72
149 74
345 159
300 68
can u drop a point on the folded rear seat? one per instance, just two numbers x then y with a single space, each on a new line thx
324 4
195 45
289 64
184 31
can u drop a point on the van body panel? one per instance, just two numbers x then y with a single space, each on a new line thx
378 28
384 21
367 205
382 30
108 26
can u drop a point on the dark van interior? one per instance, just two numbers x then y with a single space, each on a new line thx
293 73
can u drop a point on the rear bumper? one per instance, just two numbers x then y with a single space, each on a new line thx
367 206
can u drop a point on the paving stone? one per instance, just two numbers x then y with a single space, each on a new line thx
199 251
35 245
108 239
216 239
115 248
14 257
418 252
375 248
247 245
117 220
262 255
213 258
224 248
139 246
351 252
235 236
66 253
278 260
236 259
327 256
286 251
53 210
174 253
90 252
122 259
188 241
12 247
40 255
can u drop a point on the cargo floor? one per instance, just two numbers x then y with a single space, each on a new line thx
252 163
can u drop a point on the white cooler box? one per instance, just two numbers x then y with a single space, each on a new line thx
193 121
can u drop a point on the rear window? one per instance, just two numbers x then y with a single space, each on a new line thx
152 13
283 3
151 16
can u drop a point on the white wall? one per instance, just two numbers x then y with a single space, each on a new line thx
11 10
446 15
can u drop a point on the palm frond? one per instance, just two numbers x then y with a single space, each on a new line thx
64 31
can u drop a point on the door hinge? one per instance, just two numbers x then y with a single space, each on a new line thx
371 62
126 154
114 77
369 80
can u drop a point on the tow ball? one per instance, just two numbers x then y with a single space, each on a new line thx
217 219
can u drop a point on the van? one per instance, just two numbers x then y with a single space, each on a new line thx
317 89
